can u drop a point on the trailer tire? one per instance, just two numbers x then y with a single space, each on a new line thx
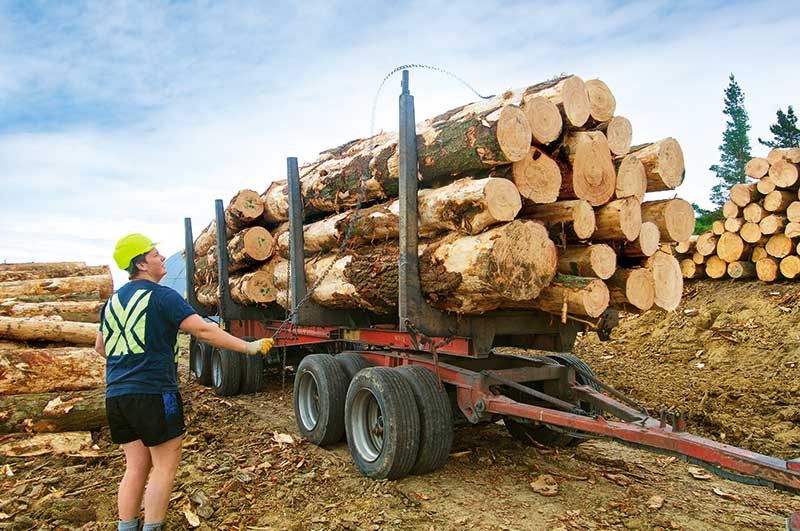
252 373
383 423
352 362
200 361
435 418
320 388
226 372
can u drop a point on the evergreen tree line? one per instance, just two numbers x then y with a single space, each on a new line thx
735 150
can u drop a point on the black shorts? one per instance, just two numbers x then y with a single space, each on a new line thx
154 419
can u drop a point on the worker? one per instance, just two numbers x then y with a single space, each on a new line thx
138 337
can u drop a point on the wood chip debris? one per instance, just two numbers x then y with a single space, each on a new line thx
545 484
699 473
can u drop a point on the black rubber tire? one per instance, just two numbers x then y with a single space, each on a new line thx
226 372
352 362
382 423
435 418
252 373
320 388
193 347
200 361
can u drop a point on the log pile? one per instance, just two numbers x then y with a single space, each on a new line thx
51 378
760 237
534 199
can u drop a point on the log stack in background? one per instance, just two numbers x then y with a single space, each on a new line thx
760 237
533 199
51 378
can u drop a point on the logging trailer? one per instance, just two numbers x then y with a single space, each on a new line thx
396 386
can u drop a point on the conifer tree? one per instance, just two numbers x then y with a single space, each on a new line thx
735 147
785 132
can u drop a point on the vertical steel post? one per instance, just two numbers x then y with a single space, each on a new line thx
222 261
409 236
188 246
297 285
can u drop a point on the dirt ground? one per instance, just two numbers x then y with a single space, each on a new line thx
728 356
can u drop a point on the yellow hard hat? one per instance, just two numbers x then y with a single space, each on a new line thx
129 247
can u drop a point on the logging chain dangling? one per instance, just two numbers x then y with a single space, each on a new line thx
363 183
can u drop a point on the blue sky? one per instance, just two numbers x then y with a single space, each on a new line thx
124 116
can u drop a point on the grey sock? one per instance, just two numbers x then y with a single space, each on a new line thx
128 525
155 526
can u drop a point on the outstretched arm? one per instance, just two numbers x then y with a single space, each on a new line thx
214 335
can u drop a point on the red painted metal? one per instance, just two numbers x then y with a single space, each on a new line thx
454 346
289 336
793 522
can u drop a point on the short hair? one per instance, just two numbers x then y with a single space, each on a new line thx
132 269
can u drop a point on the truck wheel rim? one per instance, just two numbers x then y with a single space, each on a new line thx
308 400
198 361
216 370
367 425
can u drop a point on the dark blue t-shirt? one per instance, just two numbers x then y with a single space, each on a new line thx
140 331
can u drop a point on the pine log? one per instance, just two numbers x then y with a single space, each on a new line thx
741 270
572 295
792 230
632 288
631 178
50 370
243 209
793 211
787 154
467 205
674 217
206 240
593 177
767 269
537 176
716 267
26 329
52 270
620 219
602 103
744 194
68 443
691 270
687 246
205 269
756 168
765 185
66 288
779 245
619 132
6 344
779 200
758 253
750 232
544 118
597 260
698 258
254 287
718 227
207 295
732 225
53 412
784 174
566 220
730 210
772 224
753 213
731 247
706 243
569 95
248 247
42 266
503 267
646 244
663 164
668 280
790 266
78 311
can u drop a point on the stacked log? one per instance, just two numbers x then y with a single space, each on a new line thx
533 199
51 379
761 231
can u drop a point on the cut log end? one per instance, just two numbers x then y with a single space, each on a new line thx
602 103
767 269
594 177
513 133
620 134
575 97
631 178
502 198
668 280
544 119
756 168
537 176
649 238
790 266
663 161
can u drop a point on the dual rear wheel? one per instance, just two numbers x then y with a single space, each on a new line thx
228 372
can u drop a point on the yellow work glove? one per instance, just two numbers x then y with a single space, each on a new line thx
260 346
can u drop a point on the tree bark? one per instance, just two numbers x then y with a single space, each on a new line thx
620 219
571 295
632 288
790 266
50 370
602 103
537 176
544 118
753 213
37 330
567 220
207 295
78 311
756 168
593 176
52 270
731 247
667 278
248 247
646 244
767 269
716 267
206 240
744 194
631 178
741 270
779 200
663 164
597 260
674 218
691 270
67 288
784 174
750 232
779 246
730 210
251 288
772 224
53 412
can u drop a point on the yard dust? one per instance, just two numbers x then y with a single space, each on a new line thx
728 356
